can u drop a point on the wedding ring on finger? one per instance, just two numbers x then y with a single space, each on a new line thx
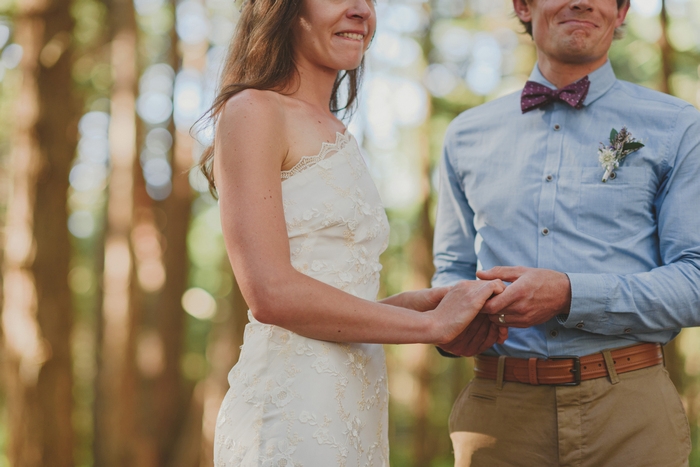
502 319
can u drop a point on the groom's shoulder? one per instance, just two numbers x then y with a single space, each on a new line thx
640 96
663 111
488 114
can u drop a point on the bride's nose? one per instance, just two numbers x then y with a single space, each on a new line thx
360 9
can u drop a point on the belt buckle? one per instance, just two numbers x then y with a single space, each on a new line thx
576 370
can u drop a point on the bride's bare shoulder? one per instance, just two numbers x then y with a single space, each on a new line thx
254 109
251 129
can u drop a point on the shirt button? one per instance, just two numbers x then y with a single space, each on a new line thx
554 333
628 330
557 127
545 231
549 178
579 325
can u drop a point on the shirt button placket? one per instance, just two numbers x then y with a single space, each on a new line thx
545 249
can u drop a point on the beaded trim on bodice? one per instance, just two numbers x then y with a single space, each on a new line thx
327 150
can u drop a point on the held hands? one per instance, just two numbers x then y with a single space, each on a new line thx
479 336
534 297
424 299
458 308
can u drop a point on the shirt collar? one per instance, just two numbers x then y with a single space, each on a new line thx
601 79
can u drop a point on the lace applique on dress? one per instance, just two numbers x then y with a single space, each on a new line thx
327 150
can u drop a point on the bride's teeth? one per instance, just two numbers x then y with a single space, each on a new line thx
357 37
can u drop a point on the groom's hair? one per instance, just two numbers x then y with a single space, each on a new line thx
618 32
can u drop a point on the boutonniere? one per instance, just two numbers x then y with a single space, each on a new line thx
621 145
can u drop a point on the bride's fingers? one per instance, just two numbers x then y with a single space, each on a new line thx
438 293
501 287
486 291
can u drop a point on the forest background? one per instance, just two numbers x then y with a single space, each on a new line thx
120 313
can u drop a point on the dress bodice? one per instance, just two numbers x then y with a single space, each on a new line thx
335 219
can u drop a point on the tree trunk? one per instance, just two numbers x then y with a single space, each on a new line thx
37 311
666 51
116 380
420 249
172 397
672 355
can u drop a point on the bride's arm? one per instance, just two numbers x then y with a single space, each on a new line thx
250 146
418 300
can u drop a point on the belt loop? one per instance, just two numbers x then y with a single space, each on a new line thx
610 365
663 354
500 372
532 371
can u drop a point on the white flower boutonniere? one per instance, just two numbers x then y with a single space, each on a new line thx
621 145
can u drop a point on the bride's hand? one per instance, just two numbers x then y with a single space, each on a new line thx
424 299
459 307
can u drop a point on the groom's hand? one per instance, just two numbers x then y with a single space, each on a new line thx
478 337
534 296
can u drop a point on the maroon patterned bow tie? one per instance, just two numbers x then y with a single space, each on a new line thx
536 95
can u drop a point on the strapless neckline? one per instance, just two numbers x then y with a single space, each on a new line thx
328 150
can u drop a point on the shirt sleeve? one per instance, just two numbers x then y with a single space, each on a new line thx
667 297
453 247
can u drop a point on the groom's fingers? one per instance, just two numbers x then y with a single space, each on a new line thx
502 334
500 302
505 273
480 342
511 320
473 335
491 338
469 341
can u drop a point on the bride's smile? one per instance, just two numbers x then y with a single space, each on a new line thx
334 35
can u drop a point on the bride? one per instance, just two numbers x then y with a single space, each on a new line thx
304 234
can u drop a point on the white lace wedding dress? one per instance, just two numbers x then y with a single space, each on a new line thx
296 401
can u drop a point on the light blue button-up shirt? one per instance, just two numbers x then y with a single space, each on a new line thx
526 190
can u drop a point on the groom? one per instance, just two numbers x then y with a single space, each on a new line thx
601 245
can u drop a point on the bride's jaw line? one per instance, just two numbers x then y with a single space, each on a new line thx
329 37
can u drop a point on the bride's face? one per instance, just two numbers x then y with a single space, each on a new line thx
334 34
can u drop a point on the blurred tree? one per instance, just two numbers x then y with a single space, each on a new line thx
171 395
37 311
115 404
672 355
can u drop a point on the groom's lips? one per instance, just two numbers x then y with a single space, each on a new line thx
579 22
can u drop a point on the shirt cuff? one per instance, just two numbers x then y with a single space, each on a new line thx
589 299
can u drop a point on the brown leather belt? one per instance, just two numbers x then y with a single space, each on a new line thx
567 370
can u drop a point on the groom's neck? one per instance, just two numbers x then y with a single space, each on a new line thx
561 74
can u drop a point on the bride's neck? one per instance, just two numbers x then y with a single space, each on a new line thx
312 85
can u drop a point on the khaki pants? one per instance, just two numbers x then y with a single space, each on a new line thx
638 422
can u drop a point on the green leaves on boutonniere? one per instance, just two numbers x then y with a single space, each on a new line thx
621 145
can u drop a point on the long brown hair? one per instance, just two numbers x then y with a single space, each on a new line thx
261 57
